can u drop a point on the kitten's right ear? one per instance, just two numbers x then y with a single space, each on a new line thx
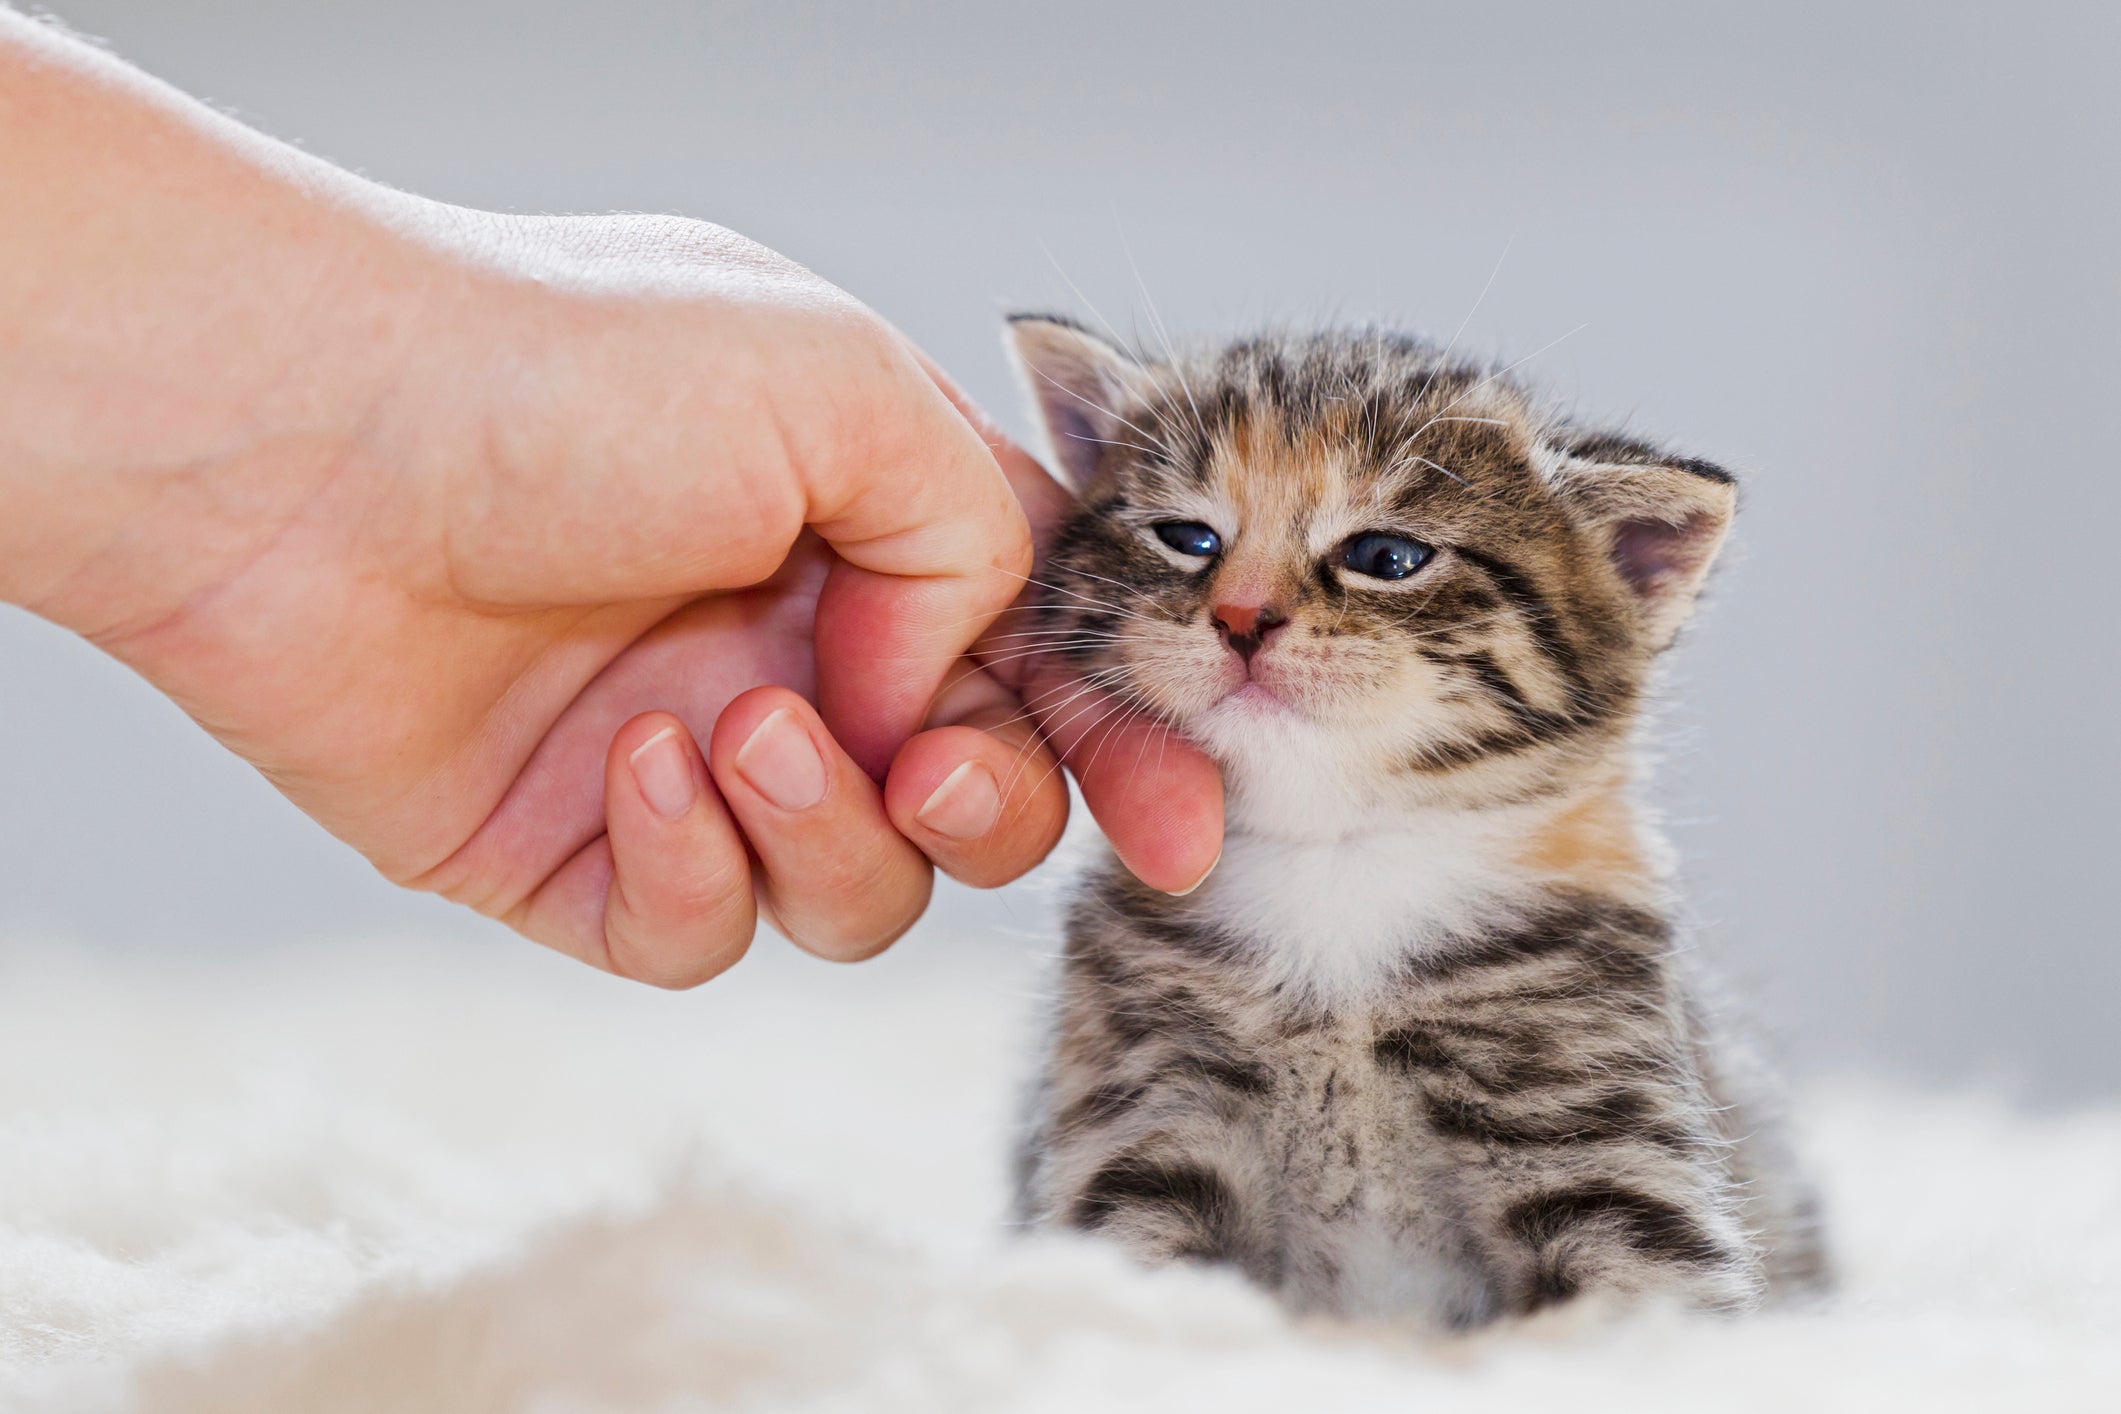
1078 382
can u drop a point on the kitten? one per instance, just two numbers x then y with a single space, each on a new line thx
1422 1043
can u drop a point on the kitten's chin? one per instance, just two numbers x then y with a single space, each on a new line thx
1248 709
1256 699
1250 718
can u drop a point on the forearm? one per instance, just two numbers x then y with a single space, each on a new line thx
194 315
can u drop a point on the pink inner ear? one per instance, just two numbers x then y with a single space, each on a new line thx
1652 555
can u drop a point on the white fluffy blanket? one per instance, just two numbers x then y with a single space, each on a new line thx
479 1179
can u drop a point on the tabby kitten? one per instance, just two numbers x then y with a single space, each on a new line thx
1422 1043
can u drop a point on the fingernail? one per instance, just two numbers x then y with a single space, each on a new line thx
1181 893
662 768
965 805
781 762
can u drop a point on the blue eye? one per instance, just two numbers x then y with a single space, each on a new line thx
1384 556
1189 537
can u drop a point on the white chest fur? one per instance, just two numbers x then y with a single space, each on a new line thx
1333 878
1337 916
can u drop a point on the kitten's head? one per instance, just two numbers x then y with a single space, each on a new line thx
1344 555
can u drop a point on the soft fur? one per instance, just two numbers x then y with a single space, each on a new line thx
1423 1042
479 1180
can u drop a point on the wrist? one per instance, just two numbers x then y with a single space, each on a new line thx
198 319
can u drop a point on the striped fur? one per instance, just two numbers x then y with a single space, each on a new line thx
1422 1043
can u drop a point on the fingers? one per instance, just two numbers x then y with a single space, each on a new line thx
834 874
933 542
679 910
979 793
664 896
694 404
1045 501
1158 799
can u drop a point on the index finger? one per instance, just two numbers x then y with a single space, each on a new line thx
932 542
1045 501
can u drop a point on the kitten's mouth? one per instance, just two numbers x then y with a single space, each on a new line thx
1252 695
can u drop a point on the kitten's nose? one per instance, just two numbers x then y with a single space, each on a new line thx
1245 626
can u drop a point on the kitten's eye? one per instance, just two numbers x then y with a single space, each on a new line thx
1189 537
1383 556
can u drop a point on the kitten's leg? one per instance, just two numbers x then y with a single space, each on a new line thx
1614 1185
1161 1155
1148 1125
1162 1199
1557 1068
1610 1223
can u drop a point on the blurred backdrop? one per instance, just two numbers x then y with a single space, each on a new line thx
1867 255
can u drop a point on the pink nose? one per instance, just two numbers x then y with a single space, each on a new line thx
1245 626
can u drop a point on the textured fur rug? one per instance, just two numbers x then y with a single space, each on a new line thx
480 1179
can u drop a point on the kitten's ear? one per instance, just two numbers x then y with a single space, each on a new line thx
1078 382
1661 519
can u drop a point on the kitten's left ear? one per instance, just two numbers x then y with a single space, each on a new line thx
1661 520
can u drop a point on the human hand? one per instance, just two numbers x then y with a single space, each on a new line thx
468 531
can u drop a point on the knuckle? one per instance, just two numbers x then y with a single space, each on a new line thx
873 875
833 319
857 940
856 914
762 517
1015 553
681 931
836 866
974 700
698 897
703 882
1021 846
675 961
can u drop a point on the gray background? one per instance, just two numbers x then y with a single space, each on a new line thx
1865 254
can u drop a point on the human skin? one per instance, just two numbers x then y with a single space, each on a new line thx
612 575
